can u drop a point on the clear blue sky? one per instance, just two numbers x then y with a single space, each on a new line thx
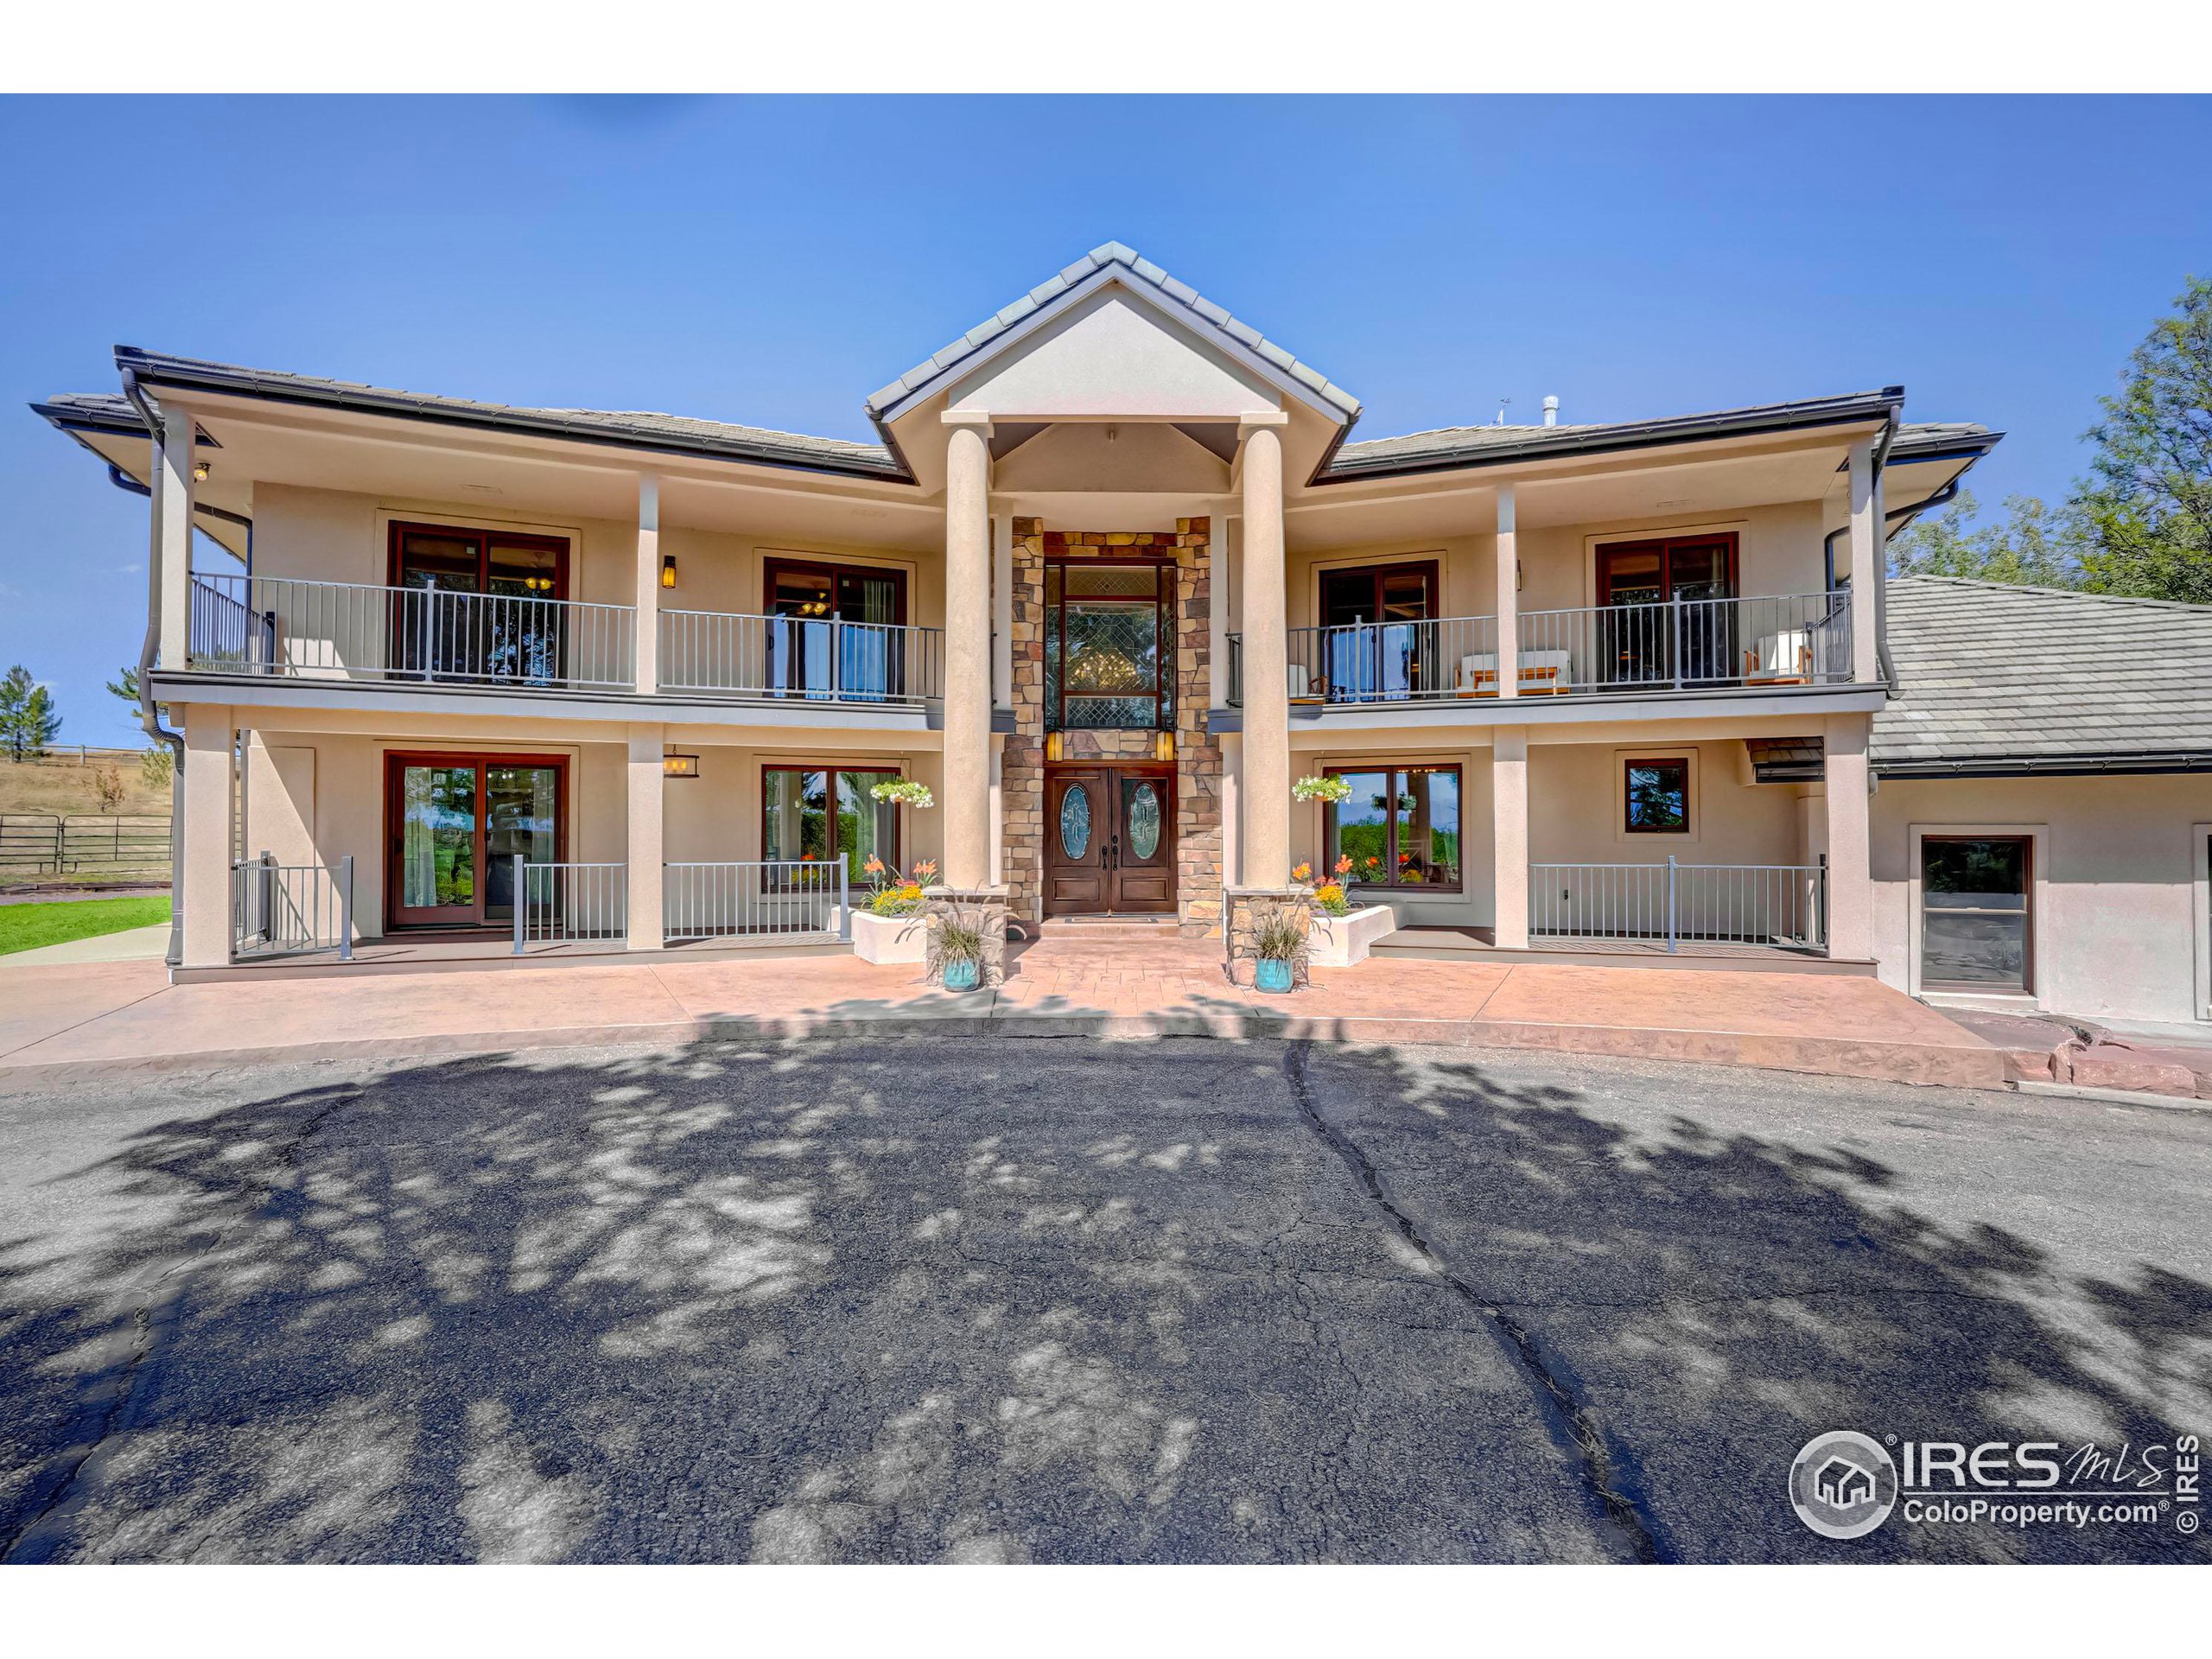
774 261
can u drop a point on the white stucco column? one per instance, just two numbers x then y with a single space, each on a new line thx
1865 565
967 652
205 903
1508 605
173 492
1509 798
648 617
1001 618
1850 882
1217 629
998 808
1232 797
647 786
1266 788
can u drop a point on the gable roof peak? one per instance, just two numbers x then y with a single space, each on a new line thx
1204 315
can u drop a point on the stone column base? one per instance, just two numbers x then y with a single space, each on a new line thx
985 908
1243 910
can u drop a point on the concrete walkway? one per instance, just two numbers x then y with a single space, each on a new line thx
97 1018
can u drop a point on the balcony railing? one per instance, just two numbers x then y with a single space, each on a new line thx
327 630
772 899
1689 645
717 653
1680 645
332 630
1663 906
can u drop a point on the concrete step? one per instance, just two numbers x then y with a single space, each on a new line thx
1109 927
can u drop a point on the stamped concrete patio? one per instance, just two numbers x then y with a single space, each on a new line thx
96 1018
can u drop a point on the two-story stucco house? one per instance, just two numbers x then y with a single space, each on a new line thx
1114 576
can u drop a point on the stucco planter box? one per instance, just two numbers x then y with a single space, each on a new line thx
888 938
1339 941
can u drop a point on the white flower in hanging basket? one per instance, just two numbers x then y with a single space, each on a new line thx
906 792
1322 789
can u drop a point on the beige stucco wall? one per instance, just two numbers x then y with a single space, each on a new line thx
2118 919
1778 551
331 536
322 794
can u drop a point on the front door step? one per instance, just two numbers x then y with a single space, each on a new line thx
1110 926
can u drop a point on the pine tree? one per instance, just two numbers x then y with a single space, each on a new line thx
29 719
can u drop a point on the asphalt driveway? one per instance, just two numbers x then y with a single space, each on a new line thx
996 1299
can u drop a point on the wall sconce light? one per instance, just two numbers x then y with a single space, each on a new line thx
1163 746
1053 748
679 766
200 471
668 570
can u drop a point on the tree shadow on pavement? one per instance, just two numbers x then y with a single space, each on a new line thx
991 1299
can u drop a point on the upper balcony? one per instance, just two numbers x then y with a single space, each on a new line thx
1678 646
281 628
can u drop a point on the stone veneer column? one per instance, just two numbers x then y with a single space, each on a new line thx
1265 791
968 652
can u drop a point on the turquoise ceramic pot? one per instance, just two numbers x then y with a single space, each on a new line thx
1272 975
960 975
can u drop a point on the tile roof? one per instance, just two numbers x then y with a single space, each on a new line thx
643 428
1454 446
1988 671
1202 311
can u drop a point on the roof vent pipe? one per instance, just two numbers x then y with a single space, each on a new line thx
1551 411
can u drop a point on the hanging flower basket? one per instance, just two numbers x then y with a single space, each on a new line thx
905 790
1322 789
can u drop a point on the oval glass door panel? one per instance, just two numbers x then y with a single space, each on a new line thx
1144 820
1075 822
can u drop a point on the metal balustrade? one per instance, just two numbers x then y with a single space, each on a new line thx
1391 662
725 653
277 626
1781 905
280 910
773 899
1681 644
569 904
1690 644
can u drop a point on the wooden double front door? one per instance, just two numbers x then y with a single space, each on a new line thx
1109 840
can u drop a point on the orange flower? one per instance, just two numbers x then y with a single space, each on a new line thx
1344 864
1303 873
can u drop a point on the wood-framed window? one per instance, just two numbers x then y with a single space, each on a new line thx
1977 912
820 590
1109 645
477 604
1405 592
1656 795
819 814
1652 570
455 824
1400 828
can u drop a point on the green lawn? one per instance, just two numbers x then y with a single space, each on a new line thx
25 927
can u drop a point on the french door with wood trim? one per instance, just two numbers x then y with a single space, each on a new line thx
456 824
835 630
477 604
1109 840
1380 633
1691 639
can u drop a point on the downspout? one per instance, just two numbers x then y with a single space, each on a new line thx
1892 522
148 714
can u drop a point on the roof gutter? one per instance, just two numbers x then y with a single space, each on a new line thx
2049 765
149 712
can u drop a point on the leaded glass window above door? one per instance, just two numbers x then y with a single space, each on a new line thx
1109 645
